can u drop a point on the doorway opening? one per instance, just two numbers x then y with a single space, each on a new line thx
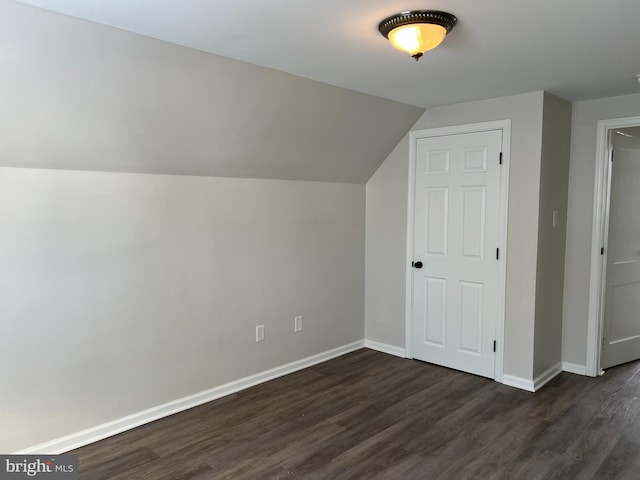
614 296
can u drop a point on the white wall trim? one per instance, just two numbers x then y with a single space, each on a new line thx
100 432
535 384
408 284
385 348
517 382
546 376
599 233
574 368
505 126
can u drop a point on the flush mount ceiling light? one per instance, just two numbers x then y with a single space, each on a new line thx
417 31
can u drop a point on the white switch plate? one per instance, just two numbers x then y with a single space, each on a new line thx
259 333
555 218
297 323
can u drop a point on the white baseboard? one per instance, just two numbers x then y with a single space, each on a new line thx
574 368
518 382
547 376
385 348
535 384
100 432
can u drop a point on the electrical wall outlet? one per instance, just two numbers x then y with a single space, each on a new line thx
259 333
297 324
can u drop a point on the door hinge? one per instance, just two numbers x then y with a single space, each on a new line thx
500 160
494 346
497 254
602 251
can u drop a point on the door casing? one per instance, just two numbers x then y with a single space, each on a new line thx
505 126
599 240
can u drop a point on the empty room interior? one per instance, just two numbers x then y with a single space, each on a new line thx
321 240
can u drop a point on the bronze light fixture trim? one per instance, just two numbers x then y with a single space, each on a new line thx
417 31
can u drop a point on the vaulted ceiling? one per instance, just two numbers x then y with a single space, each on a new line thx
576 49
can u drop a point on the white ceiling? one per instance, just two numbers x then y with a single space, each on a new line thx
576 49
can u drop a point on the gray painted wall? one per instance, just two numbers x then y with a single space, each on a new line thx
386 243
145 278
120 292
580 216
79 95
554 179
387 226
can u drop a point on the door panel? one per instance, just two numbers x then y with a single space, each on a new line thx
456 223
437 220
621 342
473 209
436 311
470 317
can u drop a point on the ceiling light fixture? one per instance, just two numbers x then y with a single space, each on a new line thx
417 31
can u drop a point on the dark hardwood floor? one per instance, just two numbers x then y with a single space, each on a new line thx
372 415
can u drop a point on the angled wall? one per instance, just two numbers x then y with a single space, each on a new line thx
80 95
121 291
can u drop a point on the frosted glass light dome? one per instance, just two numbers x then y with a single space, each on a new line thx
417 38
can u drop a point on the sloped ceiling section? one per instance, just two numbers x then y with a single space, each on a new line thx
79 95
574 49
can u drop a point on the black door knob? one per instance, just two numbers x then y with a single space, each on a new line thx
417 264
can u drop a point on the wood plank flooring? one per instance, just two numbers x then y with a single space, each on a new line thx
375 416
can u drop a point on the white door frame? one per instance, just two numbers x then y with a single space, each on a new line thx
505 126
599 240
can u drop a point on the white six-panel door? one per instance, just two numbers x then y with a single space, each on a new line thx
456 236
621 340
